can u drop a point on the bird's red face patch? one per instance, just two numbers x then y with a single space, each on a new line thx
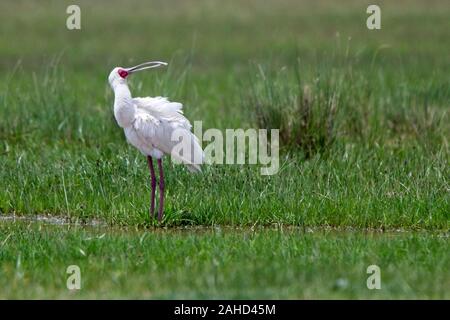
123 73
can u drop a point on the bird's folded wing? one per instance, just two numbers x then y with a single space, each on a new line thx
155 131
162 124
162 108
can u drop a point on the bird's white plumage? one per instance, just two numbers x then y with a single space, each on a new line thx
155 120
150 124
155 126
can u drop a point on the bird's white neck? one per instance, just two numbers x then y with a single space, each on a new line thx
123 105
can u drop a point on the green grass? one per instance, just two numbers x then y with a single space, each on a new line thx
219 263
366 148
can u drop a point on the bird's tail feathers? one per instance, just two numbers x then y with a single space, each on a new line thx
189 152
194 168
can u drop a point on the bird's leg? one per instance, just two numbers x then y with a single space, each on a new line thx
153 184
161 190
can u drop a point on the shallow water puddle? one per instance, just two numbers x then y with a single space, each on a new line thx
52 220
66 221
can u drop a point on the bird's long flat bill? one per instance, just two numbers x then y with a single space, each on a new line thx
147 65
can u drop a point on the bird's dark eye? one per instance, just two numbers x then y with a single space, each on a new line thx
123 73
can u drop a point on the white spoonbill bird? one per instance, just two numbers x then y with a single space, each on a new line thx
149 124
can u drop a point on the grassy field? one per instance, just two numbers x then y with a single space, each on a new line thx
371 154
220 263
